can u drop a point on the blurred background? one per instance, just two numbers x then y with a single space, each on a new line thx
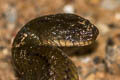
103 63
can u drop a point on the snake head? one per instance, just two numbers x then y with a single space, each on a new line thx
85 33
81 34
72 30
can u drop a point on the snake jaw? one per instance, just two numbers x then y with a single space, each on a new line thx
67 43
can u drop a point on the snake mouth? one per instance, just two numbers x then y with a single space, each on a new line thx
67 43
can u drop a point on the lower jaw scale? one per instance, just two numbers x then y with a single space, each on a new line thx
85 43
69 43
63 43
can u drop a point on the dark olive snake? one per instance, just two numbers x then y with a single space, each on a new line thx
36 49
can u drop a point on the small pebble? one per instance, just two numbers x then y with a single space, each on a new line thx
97 60
85 60
110 42
117 16
1 48
112 25
103 28
11 16
5 51
110 4
68 8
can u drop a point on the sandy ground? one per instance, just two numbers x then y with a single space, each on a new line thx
98 63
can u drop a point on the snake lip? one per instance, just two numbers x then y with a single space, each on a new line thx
67 43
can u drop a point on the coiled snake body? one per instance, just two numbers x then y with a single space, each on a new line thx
36 53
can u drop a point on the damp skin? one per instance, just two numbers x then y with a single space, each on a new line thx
36 54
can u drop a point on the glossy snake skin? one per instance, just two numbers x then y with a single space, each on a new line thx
36 49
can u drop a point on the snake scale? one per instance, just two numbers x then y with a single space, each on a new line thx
36 49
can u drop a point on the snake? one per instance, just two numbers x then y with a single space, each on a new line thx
36 52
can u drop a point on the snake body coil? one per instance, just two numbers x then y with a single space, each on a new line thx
36 53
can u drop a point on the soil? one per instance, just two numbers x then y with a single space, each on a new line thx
101 62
